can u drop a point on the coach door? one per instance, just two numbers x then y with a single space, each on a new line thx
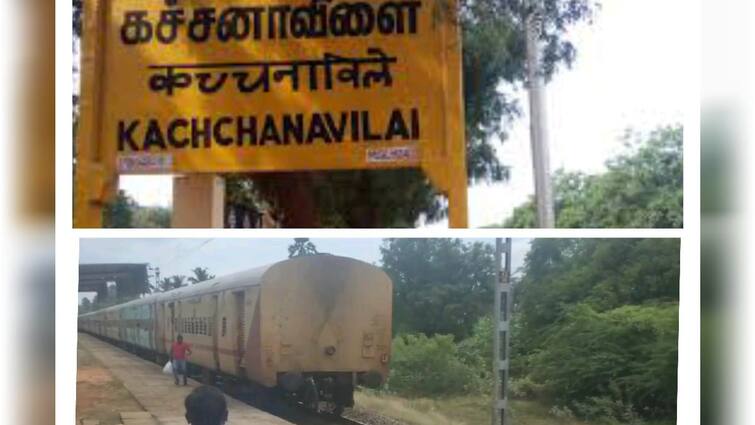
238 298
159 328
171 324
214 331
120 314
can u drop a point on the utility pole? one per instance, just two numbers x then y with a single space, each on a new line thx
157 278
501 316
538 120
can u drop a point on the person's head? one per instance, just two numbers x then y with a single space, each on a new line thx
180 338
206 406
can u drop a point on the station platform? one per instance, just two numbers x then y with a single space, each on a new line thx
160 400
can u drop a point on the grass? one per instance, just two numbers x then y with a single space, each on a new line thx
422 411
534 413
466 410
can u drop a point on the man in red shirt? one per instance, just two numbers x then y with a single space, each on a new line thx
179 352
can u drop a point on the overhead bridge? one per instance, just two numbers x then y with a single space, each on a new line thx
130 279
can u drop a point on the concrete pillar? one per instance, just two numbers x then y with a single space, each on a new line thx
198 201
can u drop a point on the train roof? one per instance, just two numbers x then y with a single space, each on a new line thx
246 278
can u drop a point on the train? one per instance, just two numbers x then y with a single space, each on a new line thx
307 329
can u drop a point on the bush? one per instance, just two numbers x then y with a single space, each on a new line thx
424 366
606 364
525 388
607 410
561 412
477 352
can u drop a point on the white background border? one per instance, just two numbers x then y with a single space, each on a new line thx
67 239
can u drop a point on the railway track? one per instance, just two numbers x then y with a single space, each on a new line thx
303 417
299 415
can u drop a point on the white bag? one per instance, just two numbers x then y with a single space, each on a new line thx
168 368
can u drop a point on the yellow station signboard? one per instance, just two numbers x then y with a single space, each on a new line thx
269 85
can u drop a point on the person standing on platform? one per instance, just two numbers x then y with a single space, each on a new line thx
179 353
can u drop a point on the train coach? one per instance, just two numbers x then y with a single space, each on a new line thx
309 328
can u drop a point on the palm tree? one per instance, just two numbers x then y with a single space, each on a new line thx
172 282
200 275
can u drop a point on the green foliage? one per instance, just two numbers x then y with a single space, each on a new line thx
300 247
641 188
119 213
604 273
151 217
606 410
123 212
493 57
627 355
85 306
493 62
435 365
440 286
428 366
200 275
168 283
595 327
476 352
525 387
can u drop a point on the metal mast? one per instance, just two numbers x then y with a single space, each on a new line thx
538 119
501 316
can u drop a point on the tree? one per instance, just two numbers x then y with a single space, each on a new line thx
301 247
151 217
595 325
604 273
493 56
493 67
85 306
169 283
440 286
119 213
200 275
642 188
124 212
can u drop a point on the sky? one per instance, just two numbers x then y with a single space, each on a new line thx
625 76
228 255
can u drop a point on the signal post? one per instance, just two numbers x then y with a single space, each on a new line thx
501 338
